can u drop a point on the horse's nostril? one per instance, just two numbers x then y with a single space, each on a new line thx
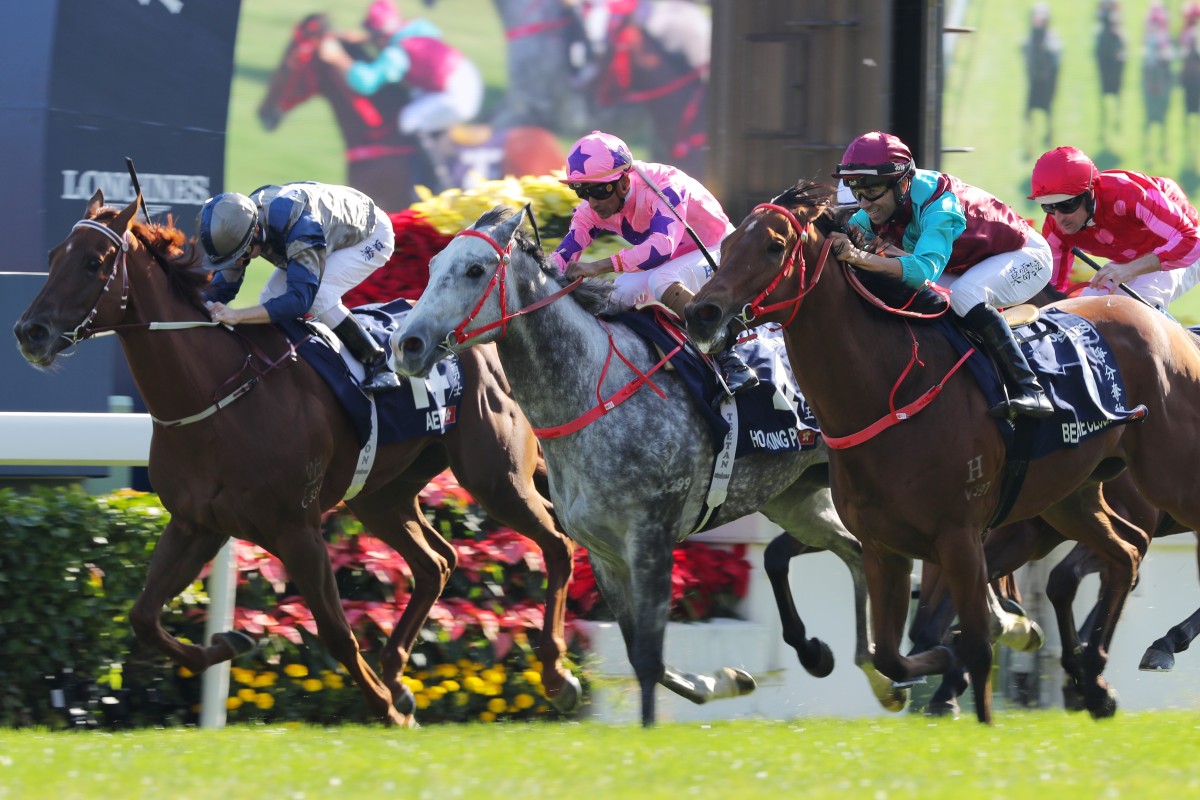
412 346
707 312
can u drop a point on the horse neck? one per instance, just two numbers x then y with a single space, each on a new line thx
553 356
519 13
837 342
176 372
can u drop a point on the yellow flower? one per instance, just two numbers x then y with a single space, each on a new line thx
487 716
445 670
264 701
184 672
242 675
532 677
493 675
413 684
436 692
334 681
295 670
497 705
247 695
422 701
312 685
523 701
264 680
233 703
451 686
473 684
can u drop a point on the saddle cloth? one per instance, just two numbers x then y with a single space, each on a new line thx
772 416
422 407
1076 368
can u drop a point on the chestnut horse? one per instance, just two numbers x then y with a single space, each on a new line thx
257 446
380 161
924 481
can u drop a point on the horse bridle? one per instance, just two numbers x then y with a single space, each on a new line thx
82 330
460 334
755 307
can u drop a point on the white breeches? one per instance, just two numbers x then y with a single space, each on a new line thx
1002 280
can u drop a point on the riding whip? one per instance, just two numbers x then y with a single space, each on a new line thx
695 238
137 188
1085 258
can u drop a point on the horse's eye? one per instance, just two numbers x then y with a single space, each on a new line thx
93 264
776 247
475 271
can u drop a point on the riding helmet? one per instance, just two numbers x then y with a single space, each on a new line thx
597 158
874 159
1061 174
225 224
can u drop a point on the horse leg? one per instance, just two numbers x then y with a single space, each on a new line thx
1160 656
815 656
430 558
962 562
1086 517
494 455
929 628
807 513
889 579
1061 588
306 559
181 552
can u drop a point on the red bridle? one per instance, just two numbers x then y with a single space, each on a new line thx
755 307
499 278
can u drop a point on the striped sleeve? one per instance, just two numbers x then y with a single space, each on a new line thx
1163 217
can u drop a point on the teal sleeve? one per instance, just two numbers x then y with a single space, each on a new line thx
937 228
368 77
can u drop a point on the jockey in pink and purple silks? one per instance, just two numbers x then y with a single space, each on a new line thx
663 262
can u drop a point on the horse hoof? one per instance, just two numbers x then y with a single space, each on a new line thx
1104 702
569 697
1073 697
890 696
943 708
1156 660
823 665
240 643
405 703
742 682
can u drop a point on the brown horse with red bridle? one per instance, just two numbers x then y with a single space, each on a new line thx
922 476
251 442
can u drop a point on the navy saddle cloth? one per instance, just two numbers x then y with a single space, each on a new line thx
1076 368
772 416
422 407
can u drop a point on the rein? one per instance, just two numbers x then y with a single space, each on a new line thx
603 406
85 331
461 334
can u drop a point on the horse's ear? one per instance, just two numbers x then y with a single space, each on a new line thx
95 204
124 220
505 230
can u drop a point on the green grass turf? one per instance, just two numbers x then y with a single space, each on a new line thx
1025 755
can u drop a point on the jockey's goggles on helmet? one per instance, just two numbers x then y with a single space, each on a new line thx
1068 206
598 191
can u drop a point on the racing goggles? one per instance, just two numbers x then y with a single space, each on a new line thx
597 191
1068 206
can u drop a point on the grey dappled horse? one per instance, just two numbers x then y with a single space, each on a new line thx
632 483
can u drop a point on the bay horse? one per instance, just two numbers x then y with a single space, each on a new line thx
632 482
250 442
380 161
925 484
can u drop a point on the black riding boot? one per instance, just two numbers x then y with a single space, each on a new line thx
1025 394
734 371
373 357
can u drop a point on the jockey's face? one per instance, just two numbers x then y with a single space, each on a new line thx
606 207
880 209
1069 222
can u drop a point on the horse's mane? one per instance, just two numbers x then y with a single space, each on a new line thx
594 295
174 253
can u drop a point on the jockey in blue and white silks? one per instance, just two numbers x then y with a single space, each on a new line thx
323 240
